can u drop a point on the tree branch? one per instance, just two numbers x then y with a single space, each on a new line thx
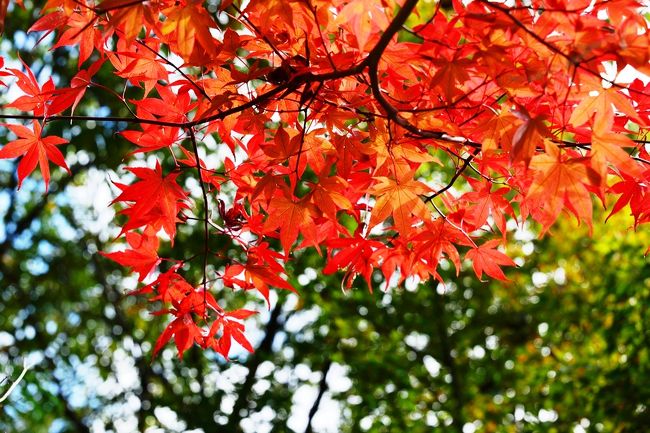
372 61
272 328
322 387
466 162
26 368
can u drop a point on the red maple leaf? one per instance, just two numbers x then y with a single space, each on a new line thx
36 99
71 96
485 202
527 138
486 258
185 333
632 193
439 238
355 255
230 330
157 199
35 149
142 257
255 276
80 31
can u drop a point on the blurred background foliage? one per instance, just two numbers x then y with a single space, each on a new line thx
563 346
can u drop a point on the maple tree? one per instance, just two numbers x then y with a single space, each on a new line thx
328 118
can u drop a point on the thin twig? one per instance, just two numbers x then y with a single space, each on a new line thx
459 171
177 69
206 219
26 367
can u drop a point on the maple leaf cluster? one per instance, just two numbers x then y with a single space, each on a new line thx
333 120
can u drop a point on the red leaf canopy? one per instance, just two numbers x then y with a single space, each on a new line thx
391 136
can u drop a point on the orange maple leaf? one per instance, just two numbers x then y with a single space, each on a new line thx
190 27
125 14
607 147
600 107
361 18
497 131
399 199
291 218
326 195
560 182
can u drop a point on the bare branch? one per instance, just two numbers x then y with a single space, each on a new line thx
26 368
